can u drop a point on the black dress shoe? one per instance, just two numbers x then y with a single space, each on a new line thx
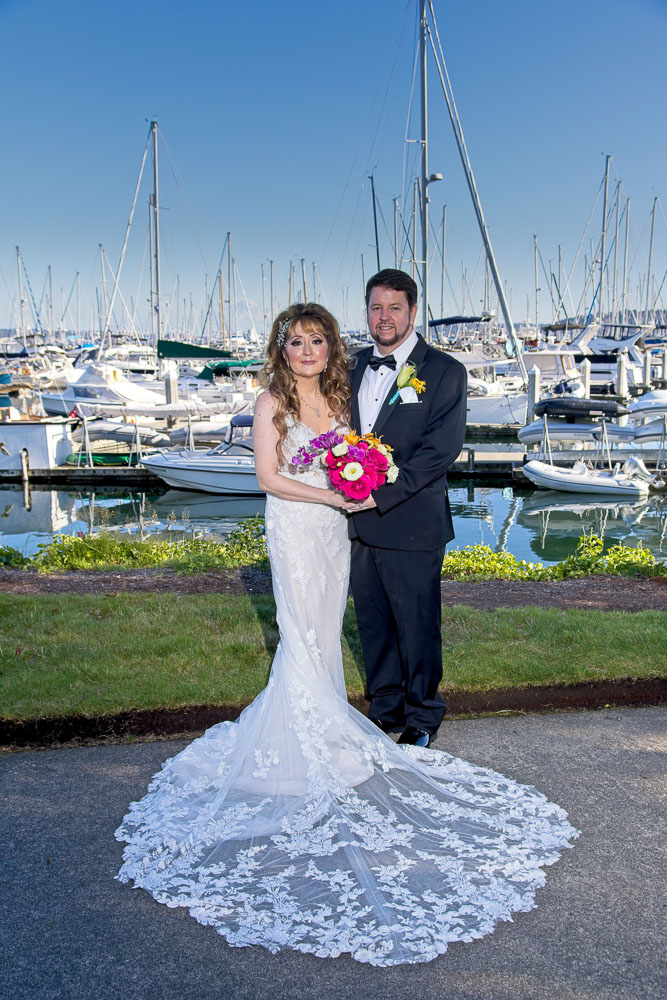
416 737
386 727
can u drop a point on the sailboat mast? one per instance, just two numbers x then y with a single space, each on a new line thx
303 279
615 272
52 336
156 230
443 274
604 238
151 269
107 319
375 221
424 165
625 260
439 58
21 299
650 261
537 289
271 288
396 233
229 287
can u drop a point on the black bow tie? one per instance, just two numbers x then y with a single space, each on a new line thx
376 362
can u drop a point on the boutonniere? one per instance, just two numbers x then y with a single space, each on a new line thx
405 379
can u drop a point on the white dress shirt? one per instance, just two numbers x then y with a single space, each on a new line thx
376 384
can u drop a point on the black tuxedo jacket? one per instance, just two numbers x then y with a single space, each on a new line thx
413 513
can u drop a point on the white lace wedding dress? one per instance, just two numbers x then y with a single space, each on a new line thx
303 826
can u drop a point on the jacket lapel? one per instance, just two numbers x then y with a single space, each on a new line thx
357 375
416 358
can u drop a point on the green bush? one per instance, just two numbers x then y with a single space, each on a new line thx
246 546
12 558
479 562
590 559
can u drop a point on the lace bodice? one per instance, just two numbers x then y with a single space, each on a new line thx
299 435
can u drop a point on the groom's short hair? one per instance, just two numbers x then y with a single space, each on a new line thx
398 281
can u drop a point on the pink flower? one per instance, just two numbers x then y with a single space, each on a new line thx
358 490
375 460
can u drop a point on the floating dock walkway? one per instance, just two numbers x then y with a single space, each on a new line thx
478 460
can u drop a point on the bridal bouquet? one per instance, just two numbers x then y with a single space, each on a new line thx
356 464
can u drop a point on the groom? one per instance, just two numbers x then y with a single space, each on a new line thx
414 397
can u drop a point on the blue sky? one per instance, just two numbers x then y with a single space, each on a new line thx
274 115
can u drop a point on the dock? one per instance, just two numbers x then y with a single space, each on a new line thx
478 460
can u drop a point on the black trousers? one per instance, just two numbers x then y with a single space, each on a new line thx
398 608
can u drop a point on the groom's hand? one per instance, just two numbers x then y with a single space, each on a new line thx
354 507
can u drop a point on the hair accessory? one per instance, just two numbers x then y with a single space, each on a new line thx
283 327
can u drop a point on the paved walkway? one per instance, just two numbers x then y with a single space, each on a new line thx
72 933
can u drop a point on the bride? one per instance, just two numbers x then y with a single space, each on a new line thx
302 825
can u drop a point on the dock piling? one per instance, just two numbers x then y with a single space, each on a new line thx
533 391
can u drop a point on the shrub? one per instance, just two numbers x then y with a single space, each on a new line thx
12 558
479 562
246 546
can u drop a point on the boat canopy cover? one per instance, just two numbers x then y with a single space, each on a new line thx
233 365
457 320
241 420
178 349
574 407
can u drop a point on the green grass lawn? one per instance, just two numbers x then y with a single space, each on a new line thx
98 655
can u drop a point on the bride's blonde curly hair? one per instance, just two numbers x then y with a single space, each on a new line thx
277 375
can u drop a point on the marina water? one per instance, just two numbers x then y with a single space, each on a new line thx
538 526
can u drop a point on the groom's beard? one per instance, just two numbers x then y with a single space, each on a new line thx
386 339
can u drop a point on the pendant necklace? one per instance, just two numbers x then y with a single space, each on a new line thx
315 409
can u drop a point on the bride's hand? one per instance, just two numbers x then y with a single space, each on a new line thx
355 506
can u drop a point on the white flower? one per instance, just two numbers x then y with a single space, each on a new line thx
352 471
392 473
383 450
340 449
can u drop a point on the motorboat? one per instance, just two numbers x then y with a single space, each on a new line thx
120 431
629 480
574 419
651 404
227 468
214 431
100 385
654 430
576 431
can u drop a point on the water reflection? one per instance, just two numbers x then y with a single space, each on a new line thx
557 520
540 525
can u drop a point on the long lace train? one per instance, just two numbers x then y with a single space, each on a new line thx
303 826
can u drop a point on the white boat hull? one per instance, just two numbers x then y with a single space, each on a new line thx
497 410
189 470
582 480
561 430
651 404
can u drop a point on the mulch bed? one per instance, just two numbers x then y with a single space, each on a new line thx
193 720
603 593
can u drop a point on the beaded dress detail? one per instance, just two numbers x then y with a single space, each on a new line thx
301 825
